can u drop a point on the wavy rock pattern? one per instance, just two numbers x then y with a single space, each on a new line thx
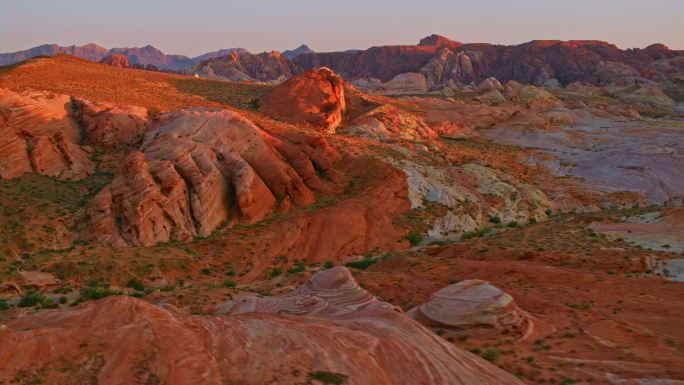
282 340
199 167
473 304
39 134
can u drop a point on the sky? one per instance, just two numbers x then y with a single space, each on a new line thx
193 27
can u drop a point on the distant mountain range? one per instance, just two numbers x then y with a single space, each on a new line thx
438 64
435 64
140 56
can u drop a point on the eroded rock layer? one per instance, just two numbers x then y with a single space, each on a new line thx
107 126
39 134
199 168
125 340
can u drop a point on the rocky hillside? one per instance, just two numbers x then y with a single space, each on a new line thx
311 233
437 63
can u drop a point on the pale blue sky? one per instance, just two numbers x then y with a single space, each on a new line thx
192 27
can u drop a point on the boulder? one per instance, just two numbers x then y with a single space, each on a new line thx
314 99
473 305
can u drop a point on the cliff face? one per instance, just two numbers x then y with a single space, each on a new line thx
445 63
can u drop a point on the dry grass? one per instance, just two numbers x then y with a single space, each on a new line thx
81 78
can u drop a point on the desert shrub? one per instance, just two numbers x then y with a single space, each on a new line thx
491 355
533 221
3 305
274 273
362 264
329 378
297 268
415 238
495 219
89 293
135 284
31 300
476 234
513 224
329 264
229 284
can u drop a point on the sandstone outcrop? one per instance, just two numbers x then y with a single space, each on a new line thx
473 305
265 343
39 134
116 60
404 83
314 98
390 124
107 126
332 291
244 66
198 167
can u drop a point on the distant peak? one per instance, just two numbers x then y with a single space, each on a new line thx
302 49
438 40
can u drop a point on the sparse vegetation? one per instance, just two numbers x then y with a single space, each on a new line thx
329 378
491 354
415 238
362 264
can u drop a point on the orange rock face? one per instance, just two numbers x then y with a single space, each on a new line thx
314 98
198 167
126 340
39 134
107 126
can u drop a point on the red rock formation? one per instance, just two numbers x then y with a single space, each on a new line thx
196 168
125 340
267 66
107 126
116 60
314 98
440 41
476 306
38 134
331 292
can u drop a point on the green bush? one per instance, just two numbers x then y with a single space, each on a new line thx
513 224
476 234
274 273
362 264
415 238
31 300
491 355
3 305
297 268
329 264
495 219
229 284
135 284
533 221
89 293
